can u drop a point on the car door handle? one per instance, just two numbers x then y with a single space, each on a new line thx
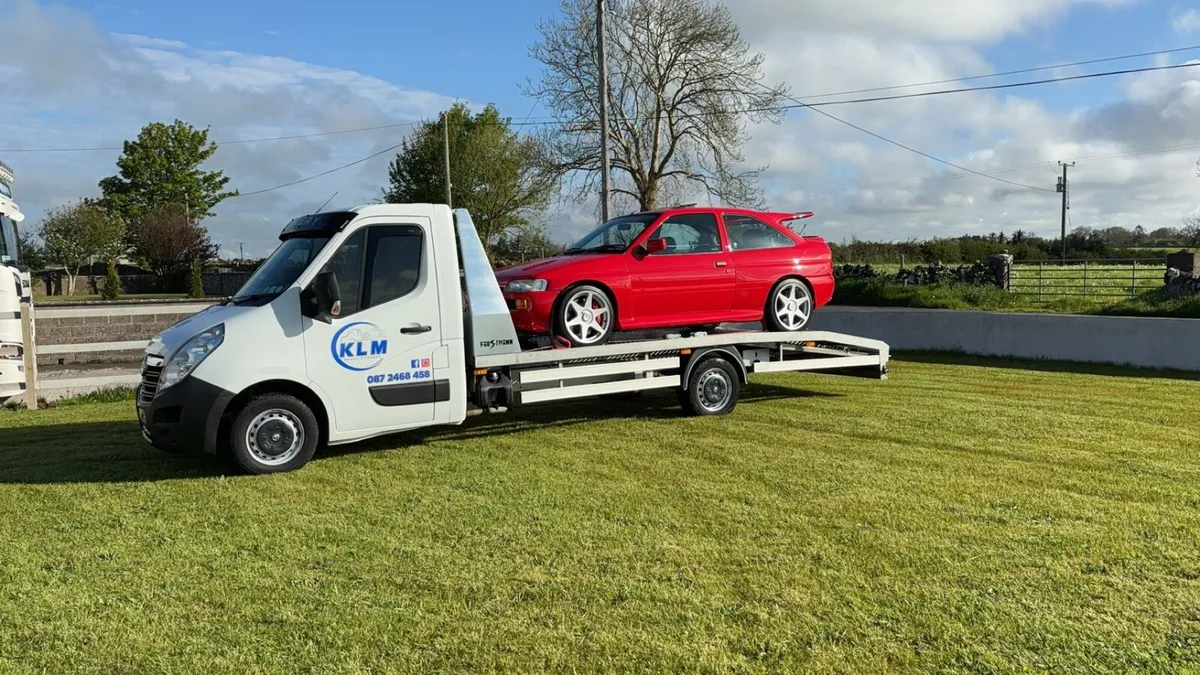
720 263
416 329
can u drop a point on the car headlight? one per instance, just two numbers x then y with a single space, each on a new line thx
191 354
525 285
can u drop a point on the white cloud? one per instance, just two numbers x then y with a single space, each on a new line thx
1186 22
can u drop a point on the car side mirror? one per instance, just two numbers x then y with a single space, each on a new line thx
655 246
328 297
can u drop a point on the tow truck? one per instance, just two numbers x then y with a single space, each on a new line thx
385 318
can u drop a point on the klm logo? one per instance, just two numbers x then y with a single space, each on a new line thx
359 346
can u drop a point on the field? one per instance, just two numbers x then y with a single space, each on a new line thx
965 516
1100 282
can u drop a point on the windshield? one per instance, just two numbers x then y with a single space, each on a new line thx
5 190
8 241
614 236
282 269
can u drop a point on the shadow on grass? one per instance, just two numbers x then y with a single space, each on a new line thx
1079 368
114 452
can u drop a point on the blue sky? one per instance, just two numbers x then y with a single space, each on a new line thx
86 74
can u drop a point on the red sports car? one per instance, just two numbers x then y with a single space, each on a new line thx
680 268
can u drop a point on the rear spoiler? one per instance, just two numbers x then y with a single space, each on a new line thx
786 219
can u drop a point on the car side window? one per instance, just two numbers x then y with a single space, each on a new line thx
347 266
747 233
394 256
690 233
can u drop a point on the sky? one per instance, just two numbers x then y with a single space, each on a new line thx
80 75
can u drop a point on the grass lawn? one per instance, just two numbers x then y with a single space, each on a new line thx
965 516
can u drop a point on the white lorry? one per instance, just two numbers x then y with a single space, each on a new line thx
14 288
385 318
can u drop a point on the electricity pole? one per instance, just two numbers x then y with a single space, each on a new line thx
605 188
446 153
1065 190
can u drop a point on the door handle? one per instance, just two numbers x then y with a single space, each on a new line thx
720 263
416 329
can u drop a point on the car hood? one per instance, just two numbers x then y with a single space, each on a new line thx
165 343
547 265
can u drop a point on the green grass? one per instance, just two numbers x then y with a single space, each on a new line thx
968 516
1098 282
885 293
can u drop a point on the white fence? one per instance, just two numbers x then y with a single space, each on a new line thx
37 385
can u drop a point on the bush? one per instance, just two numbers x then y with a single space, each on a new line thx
112 283
196 288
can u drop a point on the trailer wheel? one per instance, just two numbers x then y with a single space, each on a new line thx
712 389
274 433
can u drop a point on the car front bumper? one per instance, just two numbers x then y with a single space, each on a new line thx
531 312
184 418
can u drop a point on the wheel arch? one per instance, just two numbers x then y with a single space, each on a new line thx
306 395
730 354
767 305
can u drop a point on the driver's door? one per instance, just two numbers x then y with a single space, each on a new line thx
375 361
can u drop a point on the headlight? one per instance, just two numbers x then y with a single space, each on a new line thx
191 354
525 285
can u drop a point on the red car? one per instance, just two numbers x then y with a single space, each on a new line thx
681 268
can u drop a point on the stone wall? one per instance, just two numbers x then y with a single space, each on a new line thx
83 324
217 284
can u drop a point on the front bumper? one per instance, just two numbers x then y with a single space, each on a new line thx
184 418
531 312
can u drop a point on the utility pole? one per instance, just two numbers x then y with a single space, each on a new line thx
605 178
446 153
241 251
1063 187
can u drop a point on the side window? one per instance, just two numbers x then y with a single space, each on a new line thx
393 262
347 266
690 233
747 234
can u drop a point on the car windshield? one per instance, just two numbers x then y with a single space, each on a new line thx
613 236
8 241
282 269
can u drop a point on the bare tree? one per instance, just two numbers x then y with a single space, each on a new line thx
682 87
169 241
1190 232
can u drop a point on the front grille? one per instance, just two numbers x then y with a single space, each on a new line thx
149 386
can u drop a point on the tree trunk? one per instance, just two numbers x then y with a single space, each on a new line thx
649 197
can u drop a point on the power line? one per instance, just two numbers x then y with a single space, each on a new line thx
549 122
323 173
1005 73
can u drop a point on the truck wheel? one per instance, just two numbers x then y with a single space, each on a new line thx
274 433
712 388
789 307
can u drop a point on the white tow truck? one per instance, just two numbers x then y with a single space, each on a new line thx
385 318
14 289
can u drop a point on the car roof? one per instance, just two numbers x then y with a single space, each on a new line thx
692 208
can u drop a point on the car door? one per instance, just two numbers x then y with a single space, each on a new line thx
693 279
375 361
762 255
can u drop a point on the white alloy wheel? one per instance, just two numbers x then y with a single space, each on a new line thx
587 316
791 306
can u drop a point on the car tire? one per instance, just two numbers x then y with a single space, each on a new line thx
274 433
585 316
789 307
712 389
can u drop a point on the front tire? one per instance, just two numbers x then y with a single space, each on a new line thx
586 316
274 433
789 307
712 389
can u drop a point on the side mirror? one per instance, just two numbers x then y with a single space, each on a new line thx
328 297
655 246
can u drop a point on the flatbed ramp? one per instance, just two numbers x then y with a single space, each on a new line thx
681 363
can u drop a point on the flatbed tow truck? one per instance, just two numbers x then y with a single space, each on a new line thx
386 318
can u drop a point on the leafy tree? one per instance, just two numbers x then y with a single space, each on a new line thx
30 252
196 284
1139 235
682 87
170 240
112 282
76 234
162 167
498 175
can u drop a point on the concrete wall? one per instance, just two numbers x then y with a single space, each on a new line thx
1137 341
81 324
